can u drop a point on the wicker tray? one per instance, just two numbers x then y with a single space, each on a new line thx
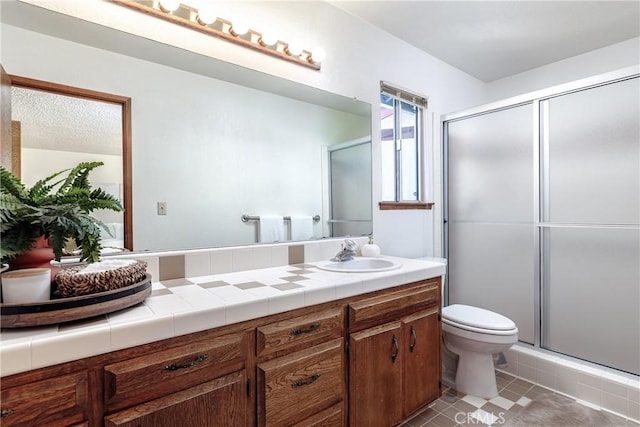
73 308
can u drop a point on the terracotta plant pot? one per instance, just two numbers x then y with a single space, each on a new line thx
40 256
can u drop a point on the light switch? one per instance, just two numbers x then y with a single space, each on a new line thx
162 208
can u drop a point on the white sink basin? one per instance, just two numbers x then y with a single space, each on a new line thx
361 265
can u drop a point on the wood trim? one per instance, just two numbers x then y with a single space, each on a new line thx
16 143
125 103
5 120
66 90
127 173
391 206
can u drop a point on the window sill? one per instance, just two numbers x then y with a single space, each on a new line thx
390 206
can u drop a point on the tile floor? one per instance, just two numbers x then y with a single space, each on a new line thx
455 409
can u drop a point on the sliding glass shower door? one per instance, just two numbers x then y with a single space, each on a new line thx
543 218
591 224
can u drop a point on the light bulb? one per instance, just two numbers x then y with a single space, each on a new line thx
239 27
294 49
169 5
318 54
206 15
268 38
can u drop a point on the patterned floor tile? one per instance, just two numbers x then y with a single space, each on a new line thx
514 402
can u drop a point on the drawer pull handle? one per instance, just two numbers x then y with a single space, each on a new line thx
299 383
6 413
414 339
396 348
312 328
194 362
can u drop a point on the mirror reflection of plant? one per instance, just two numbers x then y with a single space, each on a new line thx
57 208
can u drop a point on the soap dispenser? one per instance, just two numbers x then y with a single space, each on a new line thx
370 249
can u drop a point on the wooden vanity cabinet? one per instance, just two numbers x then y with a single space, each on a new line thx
368 360
394 355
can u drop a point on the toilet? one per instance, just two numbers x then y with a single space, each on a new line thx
474 335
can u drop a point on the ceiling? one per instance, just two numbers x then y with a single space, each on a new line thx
494 39
51 121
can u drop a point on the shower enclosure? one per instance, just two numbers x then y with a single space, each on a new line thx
542 216
350 188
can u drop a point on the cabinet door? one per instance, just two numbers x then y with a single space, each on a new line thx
375 388
221 402
421 359
58 401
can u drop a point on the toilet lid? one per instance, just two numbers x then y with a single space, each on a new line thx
477 317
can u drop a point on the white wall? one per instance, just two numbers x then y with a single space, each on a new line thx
599 61
37 164
358 57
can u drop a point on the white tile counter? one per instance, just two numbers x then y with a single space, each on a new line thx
182 306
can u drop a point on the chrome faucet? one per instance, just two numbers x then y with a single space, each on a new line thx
347 252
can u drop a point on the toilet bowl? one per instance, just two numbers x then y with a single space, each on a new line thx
475 334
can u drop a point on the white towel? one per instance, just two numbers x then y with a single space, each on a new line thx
271 229
301 228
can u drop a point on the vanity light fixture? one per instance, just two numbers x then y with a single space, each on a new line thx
168 6
201 17
206 15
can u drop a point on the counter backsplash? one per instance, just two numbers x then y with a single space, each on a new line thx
201 262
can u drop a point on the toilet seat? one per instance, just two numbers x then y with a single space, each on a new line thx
478 320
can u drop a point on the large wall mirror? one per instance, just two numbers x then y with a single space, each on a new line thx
208 149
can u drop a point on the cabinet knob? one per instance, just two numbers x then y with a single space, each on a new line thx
6 413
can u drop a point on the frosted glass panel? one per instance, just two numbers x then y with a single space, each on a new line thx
592 295
594 155
491 166
490 224
492 266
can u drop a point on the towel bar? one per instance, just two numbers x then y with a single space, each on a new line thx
246 218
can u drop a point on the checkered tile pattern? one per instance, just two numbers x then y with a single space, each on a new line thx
455 409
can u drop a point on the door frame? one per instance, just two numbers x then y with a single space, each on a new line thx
125 103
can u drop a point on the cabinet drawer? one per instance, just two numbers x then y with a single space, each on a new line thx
147 377
221 403
332 417
383 306
294 387
58 401
300 331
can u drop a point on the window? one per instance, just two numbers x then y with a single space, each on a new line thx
402 135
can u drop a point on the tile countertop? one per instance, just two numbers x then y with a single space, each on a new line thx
182 306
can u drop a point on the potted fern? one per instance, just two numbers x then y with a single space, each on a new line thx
57 209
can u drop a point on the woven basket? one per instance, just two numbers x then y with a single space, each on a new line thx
82 280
